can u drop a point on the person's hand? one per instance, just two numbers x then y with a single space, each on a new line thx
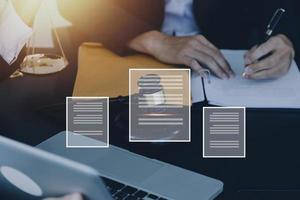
74 196
27 10
193 51
276 65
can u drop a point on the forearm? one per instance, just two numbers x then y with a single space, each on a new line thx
193 51
148 43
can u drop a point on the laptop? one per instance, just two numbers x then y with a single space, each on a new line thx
109 173
27 173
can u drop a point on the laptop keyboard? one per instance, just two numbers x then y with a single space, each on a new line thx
119 191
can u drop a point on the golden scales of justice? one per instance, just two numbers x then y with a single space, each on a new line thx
46 22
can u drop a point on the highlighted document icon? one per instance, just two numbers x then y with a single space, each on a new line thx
159 108
224 132
87 122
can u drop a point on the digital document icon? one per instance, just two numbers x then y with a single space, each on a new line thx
224 132
159 108
87 122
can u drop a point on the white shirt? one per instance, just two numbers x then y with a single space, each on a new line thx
179 18
14 33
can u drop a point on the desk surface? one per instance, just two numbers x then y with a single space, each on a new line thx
273 136
272 148
272 152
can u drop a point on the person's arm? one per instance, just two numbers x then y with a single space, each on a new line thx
193 51
113 23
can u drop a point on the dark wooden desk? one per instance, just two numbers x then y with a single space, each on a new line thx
272 163
273 136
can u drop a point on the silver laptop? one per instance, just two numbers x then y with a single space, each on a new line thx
123 174
29 173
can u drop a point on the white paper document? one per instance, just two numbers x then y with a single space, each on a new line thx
283 92
197 88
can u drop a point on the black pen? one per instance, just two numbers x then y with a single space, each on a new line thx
270 28
273 23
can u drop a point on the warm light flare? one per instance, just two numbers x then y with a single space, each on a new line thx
27 9
47 18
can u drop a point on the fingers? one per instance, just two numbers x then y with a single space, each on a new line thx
259 66
196 66
210 63
182 50
247 55
261 70
203 60
210 57
255 53
274 65
210 49
264 74
218 58
286 44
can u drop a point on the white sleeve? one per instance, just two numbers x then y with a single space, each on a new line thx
14 34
